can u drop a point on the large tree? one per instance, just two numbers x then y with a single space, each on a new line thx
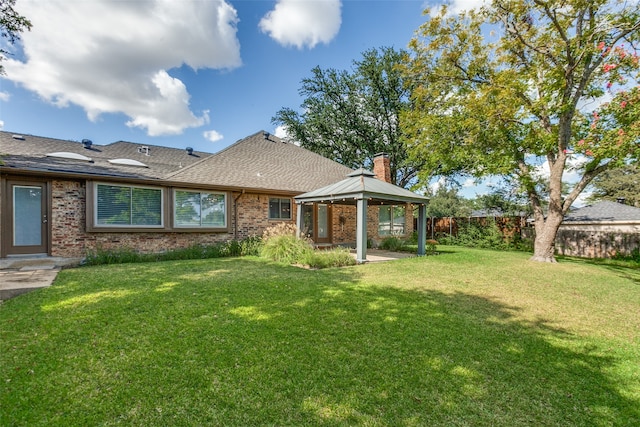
623 182
350 116
505 90
11 25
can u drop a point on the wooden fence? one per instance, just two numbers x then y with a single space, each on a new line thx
510 226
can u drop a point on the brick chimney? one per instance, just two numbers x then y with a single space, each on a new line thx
382 167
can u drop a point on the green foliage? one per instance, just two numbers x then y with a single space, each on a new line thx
232 248
352 116
392 243
502 102
619 182
486 236
431 246
446 202
634 256
11 25
283 243
337 257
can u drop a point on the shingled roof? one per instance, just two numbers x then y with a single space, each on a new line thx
605 211
30 153
264 161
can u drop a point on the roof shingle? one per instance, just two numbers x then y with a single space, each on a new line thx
604 211
263 161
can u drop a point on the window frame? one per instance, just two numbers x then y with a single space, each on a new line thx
280 199
392 220
177 227
92 209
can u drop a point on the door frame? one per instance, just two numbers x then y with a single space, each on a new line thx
314 222
6 244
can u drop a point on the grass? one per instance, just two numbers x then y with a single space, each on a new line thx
469 337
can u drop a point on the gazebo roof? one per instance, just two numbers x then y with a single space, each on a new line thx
361 184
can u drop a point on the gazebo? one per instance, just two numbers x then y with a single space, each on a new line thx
361 188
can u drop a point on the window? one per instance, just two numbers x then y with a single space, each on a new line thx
199 209
391 220
279 208
128 206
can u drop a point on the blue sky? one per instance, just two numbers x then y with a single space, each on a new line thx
198 73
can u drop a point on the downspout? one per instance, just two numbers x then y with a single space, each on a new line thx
235 215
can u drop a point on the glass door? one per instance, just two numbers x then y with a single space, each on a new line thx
28 218
323 223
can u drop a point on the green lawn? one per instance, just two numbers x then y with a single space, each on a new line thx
464 338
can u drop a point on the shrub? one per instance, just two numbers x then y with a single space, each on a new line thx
251 246
431 246
283 243
338 257
248 246
634 256
391 243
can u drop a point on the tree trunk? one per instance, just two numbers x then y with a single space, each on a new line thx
544 243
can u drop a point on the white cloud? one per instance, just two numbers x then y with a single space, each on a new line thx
213 135
281 132
1 124
454 7
111 56
303 23
469 182
4 96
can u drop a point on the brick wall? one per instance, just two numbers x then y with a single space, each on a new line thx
69 237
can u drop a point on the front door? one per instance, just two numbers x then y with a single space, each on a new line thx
317 222
26 229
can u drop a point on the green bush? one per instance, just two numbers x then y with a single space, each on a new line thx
487 236
391 243
634 256
431 246
338 257
248 246
282 243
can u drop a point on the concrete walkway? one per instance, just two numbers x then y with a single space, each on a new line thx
19 275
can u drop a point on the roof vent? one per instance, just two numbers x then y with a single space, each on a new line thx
144 150
620 200
87 143
266 135
20 137
189 151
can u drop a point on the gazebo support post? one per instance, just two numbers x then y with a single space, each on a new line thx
299 218
422 229
361 230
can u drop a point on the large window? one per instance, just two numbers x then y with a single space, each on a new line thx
391 220
128 206
199 209
279 208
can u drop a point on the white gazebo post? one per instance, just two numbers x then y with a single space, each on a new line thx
361 230
422 228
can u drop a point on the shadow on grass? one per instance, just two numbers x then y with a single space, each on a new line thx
244 342
625 269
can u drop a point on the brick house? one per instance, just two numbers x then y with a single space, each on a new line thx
66 198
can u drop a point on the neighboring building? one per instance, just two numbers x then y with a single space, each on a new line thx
601 230
65 198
